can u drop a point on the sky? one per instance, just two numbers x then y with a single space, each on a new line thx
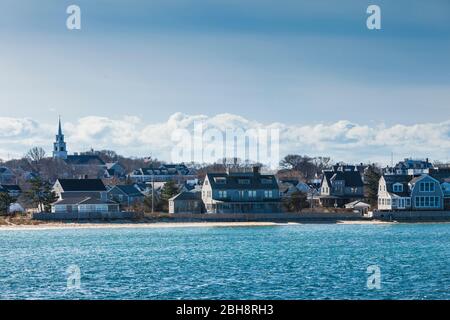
138 70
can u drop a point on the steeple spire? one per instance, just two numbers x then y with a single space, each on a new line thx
59 127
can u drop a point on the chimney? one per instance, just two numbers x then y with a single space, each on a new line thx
256 169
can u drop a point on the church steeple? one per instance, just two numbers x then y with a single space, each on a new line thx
59 147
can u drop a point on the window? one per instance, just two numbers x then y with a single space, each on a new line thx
268 193
428 202
222 194
243 181
252 194
427 187
266 181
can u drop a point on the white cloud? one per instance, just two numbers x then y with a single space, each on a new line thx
342 140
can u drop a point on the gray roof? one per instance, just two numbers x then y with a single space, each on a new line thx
84 159
129 190
164 169
256 181
5 169
351 178
82 200
442 175
394 179
187 195
10 187
82 185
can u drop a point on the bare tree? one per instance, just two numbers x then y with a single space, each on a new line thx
35 154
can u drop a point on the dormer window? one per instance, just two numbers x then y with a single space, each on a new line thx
398 187
244 181
220 180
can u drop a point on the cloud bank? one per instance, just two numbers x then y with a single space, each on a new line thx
131 136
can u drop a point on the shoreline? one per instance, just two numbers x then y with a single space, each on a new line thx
156 225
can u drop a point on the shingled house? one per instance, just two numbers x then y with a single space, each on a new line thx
404 192
241 192
126 195
341 185
186 202
82 195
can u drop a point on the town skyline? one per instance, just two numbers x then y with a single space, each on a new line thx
342 141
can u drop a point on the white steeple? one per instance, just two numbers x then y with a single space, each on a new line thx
59 147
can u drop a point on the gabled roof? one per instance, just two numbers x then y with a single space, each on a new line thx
351 178
85 159
391 180
79 185
4 170
256 181
357 203
10 187
416 179
129 190
187 195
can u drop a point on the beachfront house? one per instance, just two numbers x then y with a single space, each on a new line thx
126 195
186 202
82 195
404 192
241 192
341 185
84 205
71 188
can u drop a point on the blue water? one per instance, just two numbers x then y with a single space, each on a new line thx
279 262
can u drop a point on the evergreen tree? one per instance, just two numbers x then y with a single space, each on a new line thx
372 178
296 202
5 202
40 194
168 191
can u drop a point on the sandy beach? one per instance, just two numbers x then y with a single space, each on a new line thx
59 225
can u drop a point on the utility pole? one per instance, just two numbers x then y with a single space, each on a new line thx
153 193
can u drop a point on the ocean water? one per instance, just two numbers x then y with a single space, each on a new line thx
275 262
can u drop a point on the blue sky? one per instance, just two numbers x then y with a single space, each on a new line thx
294 62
